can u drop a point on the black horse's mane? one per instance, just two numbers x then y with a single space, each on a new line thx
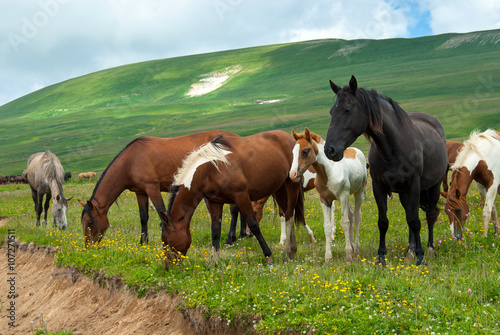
174 190
371 100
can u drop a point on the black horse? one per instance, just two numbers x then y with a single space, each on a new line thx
407 156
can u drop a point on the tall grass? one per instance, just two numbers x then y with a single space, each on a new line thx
456 291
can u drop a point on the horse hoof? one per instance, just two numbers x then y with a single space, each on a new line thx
410 256
270 260
381 261
421 263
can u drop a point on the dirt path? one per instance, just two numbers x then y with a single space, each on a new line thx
71 301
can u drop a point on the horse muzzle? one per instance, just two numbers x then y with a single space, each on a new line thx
295 175
334 154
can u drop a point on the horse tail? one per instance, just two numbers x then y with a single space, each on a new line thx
299 207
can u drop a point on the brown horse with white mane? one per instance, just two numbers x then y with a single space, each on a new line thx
242 169
146 166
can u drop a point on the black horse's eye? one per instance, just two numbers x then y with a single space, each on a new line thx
305 152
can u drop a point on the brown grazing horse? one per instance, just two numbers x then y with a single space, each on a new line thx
479 160
453 150
45 175
86 175
146 167
242 170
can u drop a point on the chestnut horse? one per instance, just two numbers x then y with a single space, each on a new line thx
86 175
334 181
241 170
407 155
479 160
258 208
45 175
146 166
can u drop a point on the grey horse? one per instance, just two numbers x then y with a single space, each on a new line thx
45 175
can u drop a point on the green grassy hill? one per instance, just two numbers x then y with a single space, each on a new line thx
87 120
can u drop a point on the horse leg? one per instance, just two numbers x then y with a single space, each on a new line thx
286 201
34 195
346 224
358 199
142 201
246 210
283 227
215 210
383 221
410 202
334 225
429 203
489 204
154 193
231 237
494 214
46 206
328 208
258 208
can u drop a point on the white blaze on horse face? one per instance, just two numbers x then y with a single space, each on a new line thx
64 222
295 162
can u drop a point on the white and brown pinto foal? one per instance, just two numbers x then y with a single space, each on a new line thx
479 160
334 181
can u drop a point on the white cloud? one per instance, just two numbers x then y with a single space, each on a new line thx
353 20
462 15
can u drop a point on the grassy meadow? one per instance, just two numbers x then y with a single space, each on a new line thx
87 120
456 291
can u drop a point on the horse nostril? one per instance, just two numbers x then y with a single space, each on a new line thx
330 152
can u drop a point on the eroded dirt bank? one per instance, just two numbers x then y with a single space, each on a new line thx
72 301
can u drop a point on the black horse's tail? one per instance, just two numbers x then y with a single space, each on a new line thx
299 207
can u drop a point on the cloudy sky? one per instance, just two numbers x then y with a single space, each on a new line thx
43 42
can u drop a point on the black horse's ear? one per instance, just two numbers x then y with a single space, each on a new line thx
334 87
353 84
